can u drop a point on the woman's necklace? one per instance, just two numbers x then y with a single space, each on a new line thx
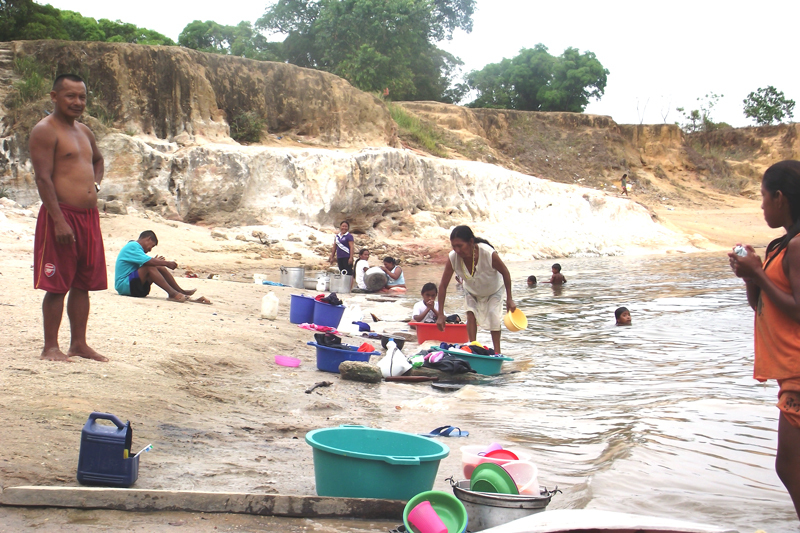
474 263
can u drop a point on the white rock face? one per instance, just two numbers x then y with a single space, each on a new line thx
383 191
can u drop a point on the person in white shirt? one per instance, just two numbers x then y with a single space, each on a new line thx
360 267
428 309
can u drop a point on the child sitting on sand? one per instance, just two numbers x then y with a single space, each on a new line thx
623 316
428 309
557 278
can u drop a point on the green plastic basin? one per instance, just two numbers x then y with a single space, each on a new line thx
362 462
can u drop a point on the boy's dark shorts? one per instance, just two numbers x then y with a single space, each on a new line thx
138 289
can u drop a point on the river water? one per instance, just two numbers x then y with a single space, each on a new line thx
661 418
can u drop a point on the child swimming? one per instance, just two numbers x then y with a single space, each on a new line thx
773 292
531 281
557 277
623 316
428 309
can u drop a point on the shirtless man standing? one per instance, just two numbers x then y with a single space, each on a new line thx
68 249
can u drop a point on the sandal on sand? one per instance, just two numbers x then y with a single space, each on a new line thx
200 300
180 298
446 431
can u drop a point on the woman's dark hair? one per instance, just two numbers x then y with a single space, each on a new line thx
361 251
465 234
391 260
784 177
345 222
429 287
619 311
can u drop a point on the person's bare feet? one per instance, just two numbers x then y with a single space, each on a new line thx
178 297
86 353
189 292
55 354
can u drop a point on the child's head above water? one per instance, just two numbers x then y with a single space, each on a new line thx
531 281
556 268
623 316
429 292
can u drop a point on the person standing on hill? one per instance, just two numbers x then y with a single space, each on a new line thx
485 277
773 291
68 246
343 248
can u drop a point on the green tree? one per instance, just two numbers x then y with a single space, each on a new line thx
27 20
535 80
769 105
80 28
240 40
117 31
697 120
374 44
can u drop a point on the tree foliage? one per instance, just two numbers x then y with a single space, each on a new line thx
240 40
535 80
26 20
768 105
375 44
697 120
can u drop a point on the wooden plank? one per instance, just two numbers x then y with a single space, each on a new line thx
204 502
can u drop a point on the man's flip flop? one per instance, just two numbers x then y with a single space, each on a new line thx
200 300
446 431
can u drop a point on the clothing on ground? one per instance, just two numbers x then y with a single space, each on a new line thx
130 258
80 264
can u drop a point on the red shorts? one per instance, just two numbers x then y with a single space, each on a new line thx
82 264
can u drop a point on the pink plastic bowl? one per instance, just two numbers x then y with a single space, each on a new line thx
285 360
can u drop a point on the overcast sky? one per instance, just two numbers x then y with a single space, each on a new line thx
661 55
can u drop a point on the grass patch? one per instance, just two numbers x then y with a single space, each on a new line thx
413 129
247 127
35 82
5 192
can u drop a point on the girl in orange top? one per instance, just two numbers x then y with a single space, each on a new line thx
773 291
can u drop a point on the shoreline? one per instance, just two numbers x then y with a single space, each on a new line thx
197 381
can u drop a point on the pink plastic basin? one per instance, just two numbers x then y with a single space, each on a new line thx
285 360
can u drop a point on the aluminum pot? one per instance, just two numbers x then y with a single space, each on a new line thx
487 510
293 276
340 283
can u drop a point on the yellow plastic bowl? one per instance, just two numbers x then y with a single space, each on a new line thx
516 321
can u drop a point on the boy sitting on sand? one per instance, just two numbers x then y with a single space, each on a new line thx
558 278
428 309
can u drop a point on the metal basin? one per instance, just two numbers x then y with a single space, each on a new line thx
486 510
293 276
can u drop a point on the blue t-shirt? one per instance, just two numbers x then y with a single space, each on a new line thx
130 258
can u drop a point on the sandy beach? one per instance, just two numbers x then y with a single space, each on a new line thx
199 381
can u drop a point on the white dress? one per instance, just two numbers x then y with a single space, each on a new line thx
483 291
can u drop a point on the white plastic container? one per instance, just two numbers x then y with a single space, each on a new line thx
470 458
525 474
269 306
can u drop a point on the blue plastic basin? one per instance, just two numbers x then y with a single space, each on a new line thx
327 314
329 359
302 309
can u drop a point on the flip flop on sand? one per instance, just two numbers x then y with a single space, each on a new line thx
200 300
180 298
446 431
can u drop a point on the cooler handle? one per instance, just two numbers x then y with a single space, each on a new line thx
105 416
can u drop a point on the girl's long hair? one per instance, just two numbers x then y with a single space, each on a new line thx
465 234
784 177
